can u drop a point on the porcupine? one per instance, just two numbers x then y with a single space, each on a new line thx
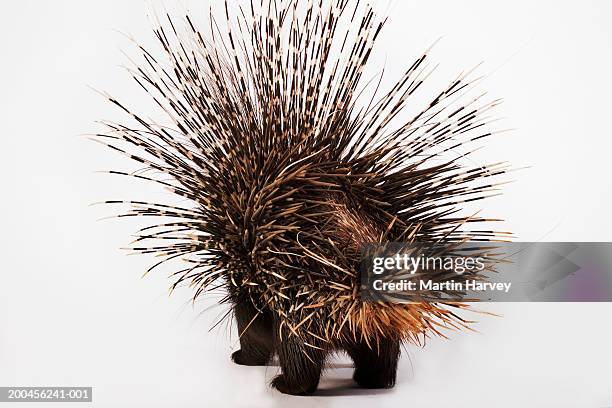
288 175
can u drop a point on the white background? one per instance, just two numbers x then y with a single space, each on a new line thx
74 310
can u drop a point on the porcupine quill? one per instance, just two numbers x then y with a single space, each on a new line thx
287 175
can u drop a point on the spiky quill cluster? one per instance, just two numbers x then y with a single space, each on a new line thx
287 173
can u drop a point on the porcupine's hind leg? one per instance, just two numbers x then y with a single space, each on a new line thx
300 373
255 330
375 367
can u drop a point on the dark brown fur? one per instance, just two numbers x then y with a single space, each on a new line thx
375 367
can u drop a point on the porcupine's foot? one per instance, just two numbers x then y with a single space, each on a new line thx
255 330
242 358
375 368
300 372
281 384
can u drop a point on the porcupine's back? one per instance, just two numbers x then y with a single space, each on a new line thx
288 174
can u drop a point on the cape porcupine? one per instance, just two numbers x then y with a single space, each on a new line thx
287 177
